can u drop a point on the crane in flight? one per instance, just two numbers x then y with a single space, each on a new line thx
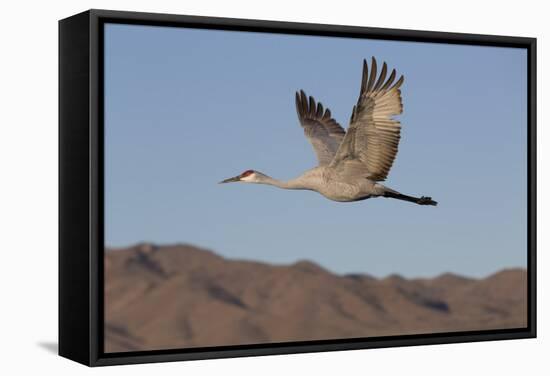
351 164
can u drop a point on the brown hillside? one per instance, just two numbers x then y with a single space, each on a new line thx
181 296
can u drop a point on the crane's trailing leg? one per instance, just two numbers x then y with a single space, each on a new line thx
417 200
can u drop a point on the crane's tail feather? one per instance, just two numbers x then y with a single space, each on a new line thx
417 200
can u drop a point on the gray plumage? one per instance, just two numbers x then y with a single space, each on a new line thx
352 163
322 131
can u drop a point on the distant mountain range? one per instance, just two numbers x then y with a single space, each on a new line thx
162 297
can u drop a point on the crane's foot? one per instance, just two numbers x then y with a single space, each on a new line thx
424 200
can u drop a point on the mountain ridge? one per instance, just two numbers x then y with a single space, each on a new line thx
178 296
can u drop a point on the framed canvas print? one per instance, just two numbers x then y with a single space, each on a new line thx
239 187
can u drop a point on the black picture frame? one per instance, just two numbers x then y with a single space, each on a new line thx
81 186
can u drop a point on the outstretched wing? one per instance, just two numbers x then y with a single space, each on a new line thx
371 143
322 131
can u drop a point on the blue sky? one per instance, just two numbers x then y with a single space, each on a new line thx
186 108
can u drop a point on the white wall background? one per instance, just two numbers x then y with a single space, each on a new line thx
28 185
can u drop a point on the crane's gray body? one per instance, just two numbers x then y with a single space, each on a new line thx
352 163
356 188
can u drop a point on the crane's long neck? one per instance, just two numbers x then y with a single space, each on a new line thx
298 183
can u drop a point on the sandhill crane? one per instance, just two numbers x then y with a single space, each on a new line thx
351 164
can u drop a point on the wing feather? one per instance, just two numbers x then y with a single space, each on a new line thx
371 142
323 132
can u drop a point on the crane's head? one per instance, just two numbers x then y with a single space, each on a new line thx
249 176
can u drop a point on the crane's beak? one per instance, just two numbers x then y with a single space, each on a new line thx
231 180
